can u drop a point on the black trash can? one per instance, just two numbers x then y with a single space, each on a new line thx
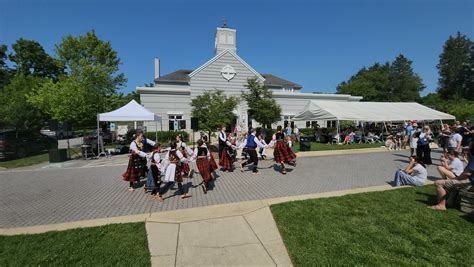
305 143
57 155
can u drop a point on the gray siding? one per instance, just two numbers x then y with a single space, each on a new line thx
162 104
210 77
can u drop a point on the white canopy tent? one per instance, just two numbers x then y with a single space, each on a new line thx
369 112
130 112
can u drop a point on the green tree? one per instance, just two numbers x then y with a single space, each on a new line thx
213 110
92 62
29 57
15 111
404 84
456 68
394 81
90 81
118 100
262 107
5 72
371 83
461 108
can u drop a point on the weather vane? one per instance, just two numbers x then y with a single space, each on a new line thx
224 20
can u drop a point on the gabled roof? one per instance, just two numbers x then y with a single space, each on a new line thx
274 81
216 57
177 76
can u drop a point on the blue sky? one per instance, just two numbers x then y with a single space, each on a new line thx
317 44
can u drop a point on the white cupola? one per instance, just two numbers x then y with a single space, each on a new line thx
225 39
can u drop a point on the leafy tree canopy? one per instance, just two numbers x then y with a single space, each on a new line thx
461 108
370 83
456 68
91 62
4 70
213 109
261 105
29 57
89 85
394 81
404 84
15 111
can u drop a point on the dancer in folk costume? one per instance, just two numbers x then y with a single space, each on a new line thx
137 162
173 170
154 175
227 158
147 143
251 145
262 151
187 152
202 156
282 152
222 140
212 161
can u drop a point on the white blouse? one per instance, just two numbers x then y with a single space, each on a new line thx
134 148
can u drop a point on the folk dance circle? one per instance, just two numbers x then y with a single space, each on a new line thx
180 161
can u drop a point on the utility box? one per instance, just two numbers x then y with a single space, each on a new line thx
57 155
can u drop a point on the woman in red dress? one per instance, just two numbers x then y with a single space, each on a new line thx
227 158
136 164
212 161
282 152
203 156
187 152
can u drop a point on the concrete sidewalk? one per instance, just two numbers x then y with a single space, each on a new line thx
244 234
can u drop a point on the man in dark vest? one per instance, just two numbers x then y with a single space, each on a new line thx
222 139
252 144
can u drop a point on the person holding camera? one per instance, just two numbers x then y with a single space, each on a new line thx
414 174
451 166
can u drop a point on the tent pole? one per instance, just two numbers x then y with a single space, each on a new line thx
156 131
98 136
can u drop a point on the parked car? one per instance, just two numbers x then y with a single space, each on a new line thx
22 143
59 134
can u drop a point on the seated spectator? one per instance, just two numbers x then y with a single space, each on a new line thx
349 138
444 187
414 174
390 143
451 167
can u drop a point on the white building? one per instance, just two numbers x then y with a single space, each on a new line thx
172 93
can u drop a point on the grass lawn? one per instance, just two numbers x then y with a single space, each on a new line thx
324 146
110 245
31 160
378 228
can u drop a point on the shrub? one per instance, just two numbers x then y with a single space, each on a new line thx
307 131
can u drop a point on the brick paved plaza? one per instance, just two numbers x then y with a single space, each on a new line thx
57 195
